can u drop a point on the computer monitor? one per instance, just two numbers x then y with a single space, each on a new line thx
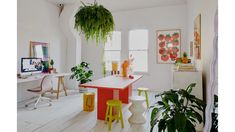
31 65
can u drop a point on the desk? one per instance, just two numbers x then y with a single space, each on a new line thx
111 87
60 77
38 77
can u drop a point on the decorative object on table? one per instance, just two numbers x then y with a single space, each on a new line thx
115 70
39 50
178 111
82 74
168 45
94 21
51 70
214 115
197 37
45 68
185 59
88 101
125 66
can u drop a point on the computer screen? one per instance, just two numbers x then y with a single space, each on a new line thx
31 64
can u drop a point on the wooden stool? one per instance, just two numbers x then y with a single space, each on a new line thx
145 90
109 115
88 101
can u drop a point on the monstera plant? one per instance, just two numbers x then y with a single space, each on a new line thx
178 111
94 21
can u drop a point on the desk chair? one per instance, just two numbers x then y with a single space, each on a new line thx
46 86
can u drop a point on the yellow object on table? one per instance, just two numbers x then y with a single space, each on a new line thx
88 101
114 65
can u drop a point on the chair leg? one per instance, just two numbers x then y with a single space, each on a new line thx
35 105
33 100
110 118
147 100
121 116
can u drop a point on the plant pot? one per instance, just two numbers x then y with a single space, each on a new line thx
82 89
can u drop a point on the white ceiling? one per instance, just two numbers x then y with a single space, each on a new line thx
119 5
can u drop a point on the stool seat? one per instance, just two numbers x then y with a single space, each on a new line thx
143 89
114 103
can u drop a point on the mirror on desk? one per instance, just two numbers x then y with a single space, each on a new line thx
39 50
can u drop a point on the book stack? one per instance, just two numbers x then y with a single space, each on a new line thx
186 67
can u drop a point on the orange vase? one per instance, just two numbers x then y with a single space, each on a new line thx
125 68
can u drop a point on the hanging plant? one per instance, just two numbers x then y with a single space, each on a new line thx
94 21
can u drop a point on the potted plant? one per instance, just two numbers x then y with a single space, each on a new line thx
82 74
52 69
94 21
178 111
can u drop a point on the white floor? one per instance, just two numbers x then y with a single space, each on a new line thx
66 115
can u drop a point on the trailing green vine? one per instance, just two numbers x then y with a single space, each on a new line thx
95 22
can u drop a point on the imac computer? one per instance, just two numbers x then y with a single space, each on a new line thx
30 66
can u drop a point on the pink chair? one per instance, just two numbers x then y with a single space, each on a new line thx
46 86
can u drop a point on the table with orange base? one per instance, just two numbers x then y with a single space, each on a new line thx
111 87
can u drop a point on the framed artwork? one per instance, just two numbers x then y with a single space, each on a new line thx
197 37
39 50
168 45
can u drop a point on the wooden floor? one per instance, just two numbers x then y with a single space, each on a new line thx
66 115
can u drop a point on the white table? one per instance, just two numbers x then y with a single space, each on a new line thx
137 109
38 77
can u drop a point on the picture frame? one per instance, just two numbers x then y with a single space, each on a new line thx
39 50
168 43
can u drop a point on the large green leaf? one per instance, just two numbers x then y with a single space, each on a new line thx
171 125
180 121
162 125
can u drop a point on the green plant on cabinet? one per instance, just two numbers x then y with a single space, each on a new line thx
178 111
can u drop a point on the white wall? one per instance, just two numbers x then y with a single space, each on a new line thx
38 20
73 40
159 77
207 9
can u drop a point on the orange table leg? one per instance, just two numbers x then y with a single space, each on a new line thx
103 96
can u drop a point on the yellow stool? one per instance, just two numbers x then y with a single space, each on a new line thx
145 90
88 101
109 112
